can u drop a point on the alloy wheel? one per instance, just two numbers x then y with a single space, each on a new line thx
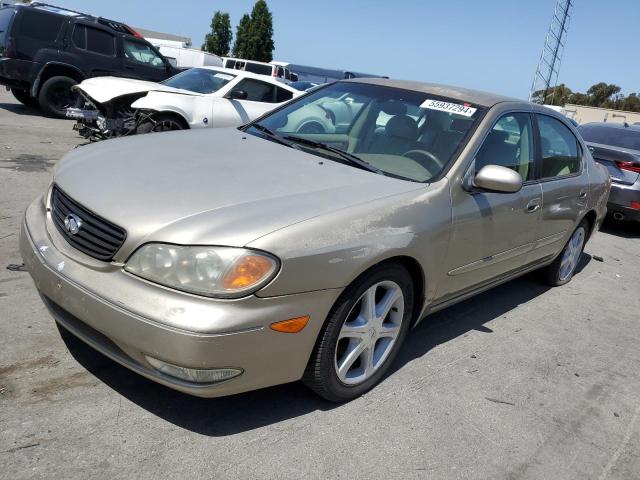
369 332
572 253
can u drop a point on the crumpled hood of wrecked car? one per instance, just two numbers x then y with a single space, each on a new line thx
216 187
104 89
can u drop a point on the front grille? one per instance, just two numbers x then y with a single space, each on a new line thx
96 236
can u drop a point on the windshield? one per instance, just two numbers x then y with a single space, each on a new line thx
199 80
402 133
615 136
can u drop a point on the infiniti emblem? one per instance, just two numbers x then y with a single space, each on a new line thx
72 223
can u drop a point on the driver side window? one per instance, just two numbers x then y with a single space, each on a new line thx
509 144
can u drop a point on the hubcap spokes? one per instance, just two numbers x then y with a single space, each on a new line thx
572 254
369 332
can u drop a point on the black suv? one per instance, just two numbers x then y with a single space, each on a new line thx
45 50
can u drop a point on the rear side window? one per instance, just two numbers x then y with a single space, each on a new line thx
6 15
39 25
257 68
94 40
257 91
559 148
283 95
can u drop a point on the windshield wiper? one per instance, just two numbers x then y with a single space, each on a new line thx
273 136
349 157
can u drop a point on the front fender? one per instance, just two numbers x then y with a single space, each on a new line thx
191 108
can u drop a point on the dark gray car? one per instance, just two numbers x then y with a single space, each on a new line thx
617 147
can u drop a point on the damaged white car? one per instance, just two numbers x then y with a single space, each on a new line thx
196 98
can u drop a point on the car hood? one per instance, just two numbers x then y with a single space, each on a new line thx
103 89
214 187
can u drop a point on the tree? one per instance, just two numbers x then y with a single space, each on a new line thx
240 47
601 92
219 40
558 95
261 33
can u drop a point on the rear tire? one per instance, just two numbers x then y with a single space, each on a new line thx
354 350
24 97
162 122
56 96
563 268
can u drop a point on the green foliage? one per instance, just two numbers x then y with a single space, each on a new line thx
254 35
601 94
241 46
219 40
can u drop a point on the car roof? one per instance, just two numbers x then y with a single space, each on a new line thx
619 126
257 76
478 97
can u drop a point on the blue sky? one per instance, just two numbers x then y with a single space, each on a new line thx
490 45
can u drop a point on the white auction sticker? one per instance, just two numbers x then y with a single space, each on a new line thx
456 108
224 76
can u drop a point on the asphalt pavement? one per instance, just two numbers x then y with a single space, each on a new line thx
521 382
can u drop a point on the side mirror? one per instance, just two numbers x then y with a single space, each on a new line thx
293 77
236 95
495 178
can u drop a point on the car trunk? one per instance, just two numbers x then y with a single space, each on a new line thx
623 165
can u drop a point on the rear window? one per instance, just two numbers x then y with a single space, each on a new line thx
39 25
614 136
257 68
6 15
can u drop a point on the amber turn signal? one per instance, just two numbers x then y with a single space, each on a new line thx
293 325
248 271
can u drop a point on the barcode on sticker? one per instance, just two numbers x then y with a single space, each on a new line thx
456 108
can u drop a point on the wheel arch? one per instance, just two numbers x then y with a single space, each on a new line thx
592 217
55 69
417 276
172 113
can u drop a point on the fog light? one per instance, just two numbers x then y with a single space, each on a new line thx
197 375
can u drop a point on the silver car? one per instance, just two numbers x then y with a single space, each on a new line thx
617 147
216 262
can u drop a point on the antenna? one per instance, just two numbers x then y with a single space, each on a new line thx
546 75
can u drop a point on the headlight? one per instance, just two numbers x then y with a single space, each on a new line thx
225 272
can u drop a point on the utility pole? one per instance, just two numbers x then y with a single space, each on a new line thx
548 68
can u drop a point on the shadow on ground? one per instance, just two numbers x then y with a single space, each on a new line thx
248 411
20 109
625 229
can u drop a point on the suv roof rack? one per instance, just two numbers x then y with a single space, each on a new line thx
114 25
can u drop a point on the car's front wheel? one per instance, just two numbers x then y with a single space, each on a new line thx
56 96
362 334
162 122
564 266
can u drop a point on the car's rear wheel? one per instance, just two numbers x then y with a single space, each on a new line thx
362 334
162 123
562 269
56 96
24 97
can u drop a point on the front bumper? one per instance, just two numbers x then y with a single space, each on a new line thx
177 328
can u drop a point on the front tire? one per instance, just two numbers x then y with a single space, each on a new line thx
362 334
56 96
562 269
162 122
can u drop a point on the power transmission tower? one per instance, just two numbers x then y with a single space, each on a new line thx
549 65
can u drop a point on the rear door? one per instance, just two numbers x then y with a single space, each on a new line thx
36 34
95 47
140 60
564 181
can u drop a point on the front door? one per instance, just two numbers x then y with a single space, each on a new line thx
493 233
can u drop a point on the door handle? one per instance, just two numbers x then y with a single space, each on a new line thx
533 205
583 194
